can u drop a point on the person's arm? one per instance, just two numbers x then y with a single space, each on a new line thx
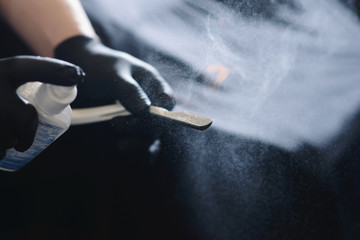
44 24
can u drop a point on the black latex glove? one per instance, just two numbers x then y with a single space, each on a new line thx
114 75
18 121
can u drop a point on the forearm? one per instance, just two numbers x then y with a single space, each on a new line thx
43 24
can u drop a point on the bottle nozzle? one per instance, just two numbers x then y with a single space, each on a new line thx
61 93
53 99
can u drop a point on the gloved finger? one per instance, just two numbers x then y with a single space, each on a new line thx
26 126
155 86
22 69
8 139
131 95
19 124
2 153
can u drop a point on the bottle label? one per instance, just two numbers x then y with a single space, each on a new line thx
45 135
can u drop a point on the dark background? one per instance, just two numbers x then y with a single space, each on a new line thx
93 183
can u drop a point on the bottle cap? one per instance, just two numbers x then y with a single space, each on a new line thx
52 99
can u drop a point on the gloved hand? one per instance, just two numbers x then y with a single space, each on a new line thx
114 75
18 120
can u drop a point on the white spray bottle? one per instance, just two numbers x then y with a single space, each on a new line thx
54 112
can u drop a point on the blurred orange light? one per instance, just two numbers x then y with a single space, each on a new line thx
219 72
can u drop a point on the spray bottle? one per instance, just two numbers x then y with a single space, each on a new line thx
54 113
